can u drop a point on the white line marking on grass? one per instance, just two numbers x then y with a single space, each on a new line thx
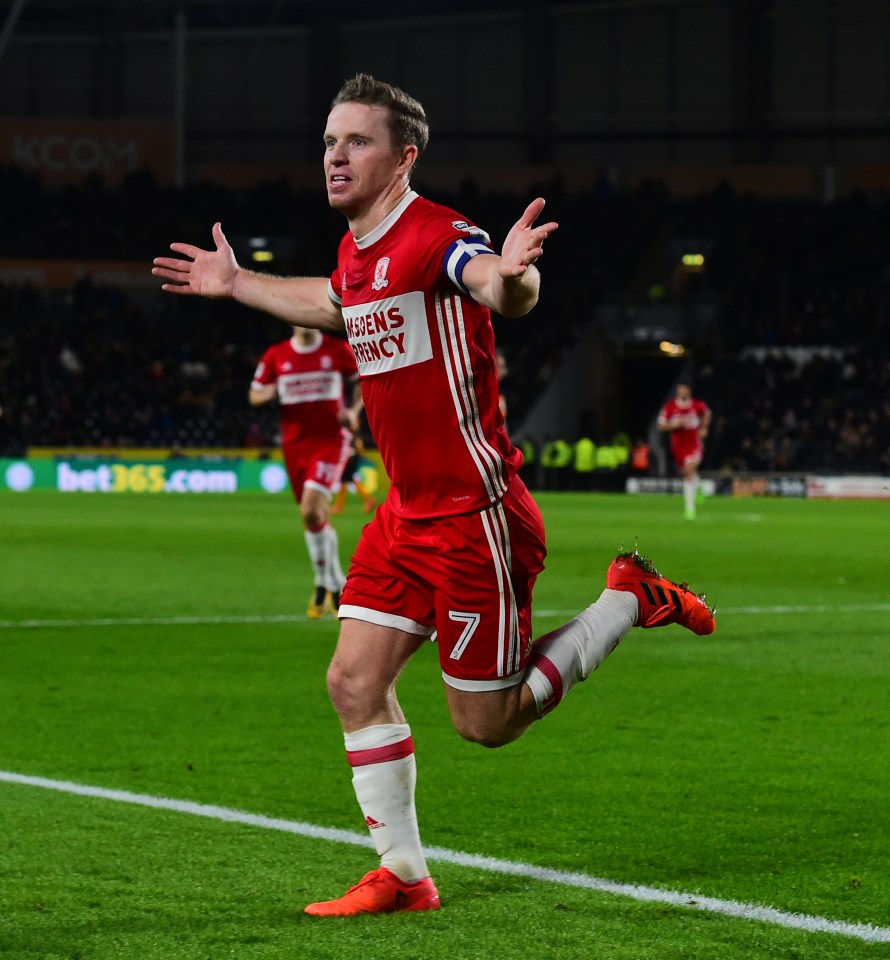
198 621
730 908
814 608
158 621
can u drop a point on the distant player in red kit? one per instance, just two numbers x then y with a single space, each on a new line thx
687 421
456 547
309 375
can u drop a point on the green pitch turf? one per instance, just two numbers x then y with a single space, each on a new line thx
139 652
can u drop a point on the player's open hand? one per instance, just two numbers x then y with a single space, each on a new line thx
207 273
525 241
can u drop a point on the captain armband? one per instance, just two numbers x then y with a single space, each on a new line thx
458 255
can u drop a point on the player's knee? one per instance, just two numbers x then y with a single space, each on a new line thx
354 694
485 732
313 517
491 719
343 689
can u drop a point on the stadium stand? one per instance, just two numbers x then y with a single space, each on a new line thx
797 370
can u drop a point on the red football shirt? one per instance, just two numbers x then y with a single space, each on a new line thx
426 355
310 383
685 441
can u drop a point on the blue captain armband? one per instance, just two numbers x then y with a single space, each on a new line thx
458 255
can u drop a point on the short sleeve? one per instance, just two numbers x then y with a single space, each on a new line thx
335 291
264 373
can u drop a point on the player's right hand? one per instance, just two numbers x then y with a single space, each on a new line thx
207 273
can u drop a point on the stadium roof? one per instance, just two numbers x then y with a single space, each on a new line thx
103 16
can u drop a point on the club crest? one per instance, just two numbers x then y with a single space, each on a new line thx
380 280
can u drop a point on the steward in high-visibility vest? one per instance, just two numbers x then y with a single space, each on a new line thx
585 462
606 458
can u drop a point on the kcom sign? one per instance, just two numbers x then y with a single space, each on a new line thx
65 151
81 154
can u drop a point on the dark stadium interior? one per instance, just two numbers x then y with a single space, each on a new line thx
785 328
36 15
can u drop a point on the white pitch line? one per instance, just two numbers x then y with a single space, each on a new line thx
813 608
211 620
730 908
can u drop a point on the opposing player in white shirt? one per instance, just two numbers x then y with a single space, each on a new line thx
456 547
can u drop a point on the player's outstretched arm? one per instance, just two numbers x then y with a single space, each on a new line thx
300 301
509 284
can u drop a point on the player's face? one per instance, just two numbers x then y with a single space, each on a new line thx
361 165
684 394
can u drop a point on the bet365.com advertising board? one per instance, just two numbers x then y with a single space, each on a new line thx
148 476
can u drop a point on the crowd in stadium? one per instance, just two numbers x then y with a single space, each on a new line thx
797 370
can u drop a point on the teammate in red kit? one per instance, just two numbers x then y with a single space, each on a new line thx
308 375
687 421
455 548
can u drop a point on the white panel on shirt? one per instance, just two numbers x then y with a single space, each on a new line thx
388 334
309 387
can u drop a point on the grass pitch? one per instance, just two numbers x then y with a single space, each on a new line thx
139 651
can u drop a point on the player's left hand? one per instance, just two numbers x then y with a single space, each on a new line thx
525 241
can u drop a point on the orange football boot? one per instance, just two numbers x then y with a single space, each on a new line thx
661 600
379 891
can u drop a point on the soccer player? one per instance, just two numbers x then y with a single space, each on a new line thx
308 375
686 420
455 548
